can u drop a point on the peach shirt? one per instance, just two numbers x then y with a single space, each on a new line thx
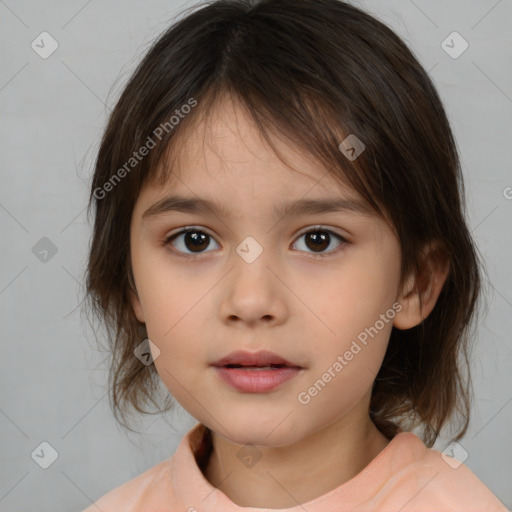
406 476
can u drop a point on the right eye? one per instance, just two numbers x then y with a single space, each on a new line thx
192 239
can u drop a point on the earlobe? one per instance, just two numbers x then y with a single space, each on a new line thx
427 284
409 301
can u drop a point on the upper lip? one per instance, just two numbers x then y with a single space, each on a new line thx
261 358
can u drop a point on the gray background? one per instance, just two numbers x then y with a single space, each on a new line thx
52 114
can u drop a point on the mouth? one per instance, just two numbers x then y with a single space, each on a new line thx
262 360
258 372
254 367
256 379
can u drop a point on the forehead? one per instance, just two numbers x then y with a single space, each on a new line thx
225 155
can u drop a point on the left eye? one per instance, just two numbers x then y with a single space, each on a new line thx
196 241
319 239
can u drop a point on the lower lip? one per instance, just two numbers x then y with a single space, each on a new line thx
256 381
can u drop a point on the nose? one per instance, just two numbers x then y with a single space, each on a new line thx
253 293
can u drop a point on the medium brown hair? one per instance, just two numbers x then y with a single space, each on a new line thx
313 71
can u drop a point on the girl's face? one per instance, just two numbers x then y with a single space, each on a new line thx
247 277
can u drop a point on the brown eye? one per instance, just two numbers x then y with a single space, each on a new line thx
318 240
190 242
193 240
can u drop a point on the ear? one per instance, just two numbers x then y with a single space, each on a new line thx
427 285
134 299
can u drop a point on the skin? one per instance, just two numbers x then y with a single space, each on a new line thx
306 308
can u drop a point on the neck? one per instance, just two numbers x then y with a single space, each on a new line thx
328 458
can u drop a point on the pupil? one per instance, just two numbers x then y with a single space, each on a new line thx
320 240
196 240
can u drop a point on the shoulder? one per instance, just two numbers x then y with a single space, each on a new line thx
431 480
149 489
162 486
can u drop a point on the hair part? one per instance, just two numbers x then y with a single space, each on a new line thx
312 72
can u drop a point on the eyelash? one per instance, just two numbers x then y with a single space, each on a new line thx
315 229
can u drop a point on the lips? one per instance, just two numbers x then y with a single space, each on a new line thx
261 359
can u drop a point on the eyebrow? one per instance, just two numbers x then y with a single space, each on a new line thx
301 207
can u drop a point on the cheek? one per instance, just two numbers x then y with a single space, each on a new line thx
352 302
166 296
181 364
174 313
365 285
338 384
344 370
349 321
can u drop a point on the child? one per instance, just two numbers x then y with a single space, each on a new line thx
280 238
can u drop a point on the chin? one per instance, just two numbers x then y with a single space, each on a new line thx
271 434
